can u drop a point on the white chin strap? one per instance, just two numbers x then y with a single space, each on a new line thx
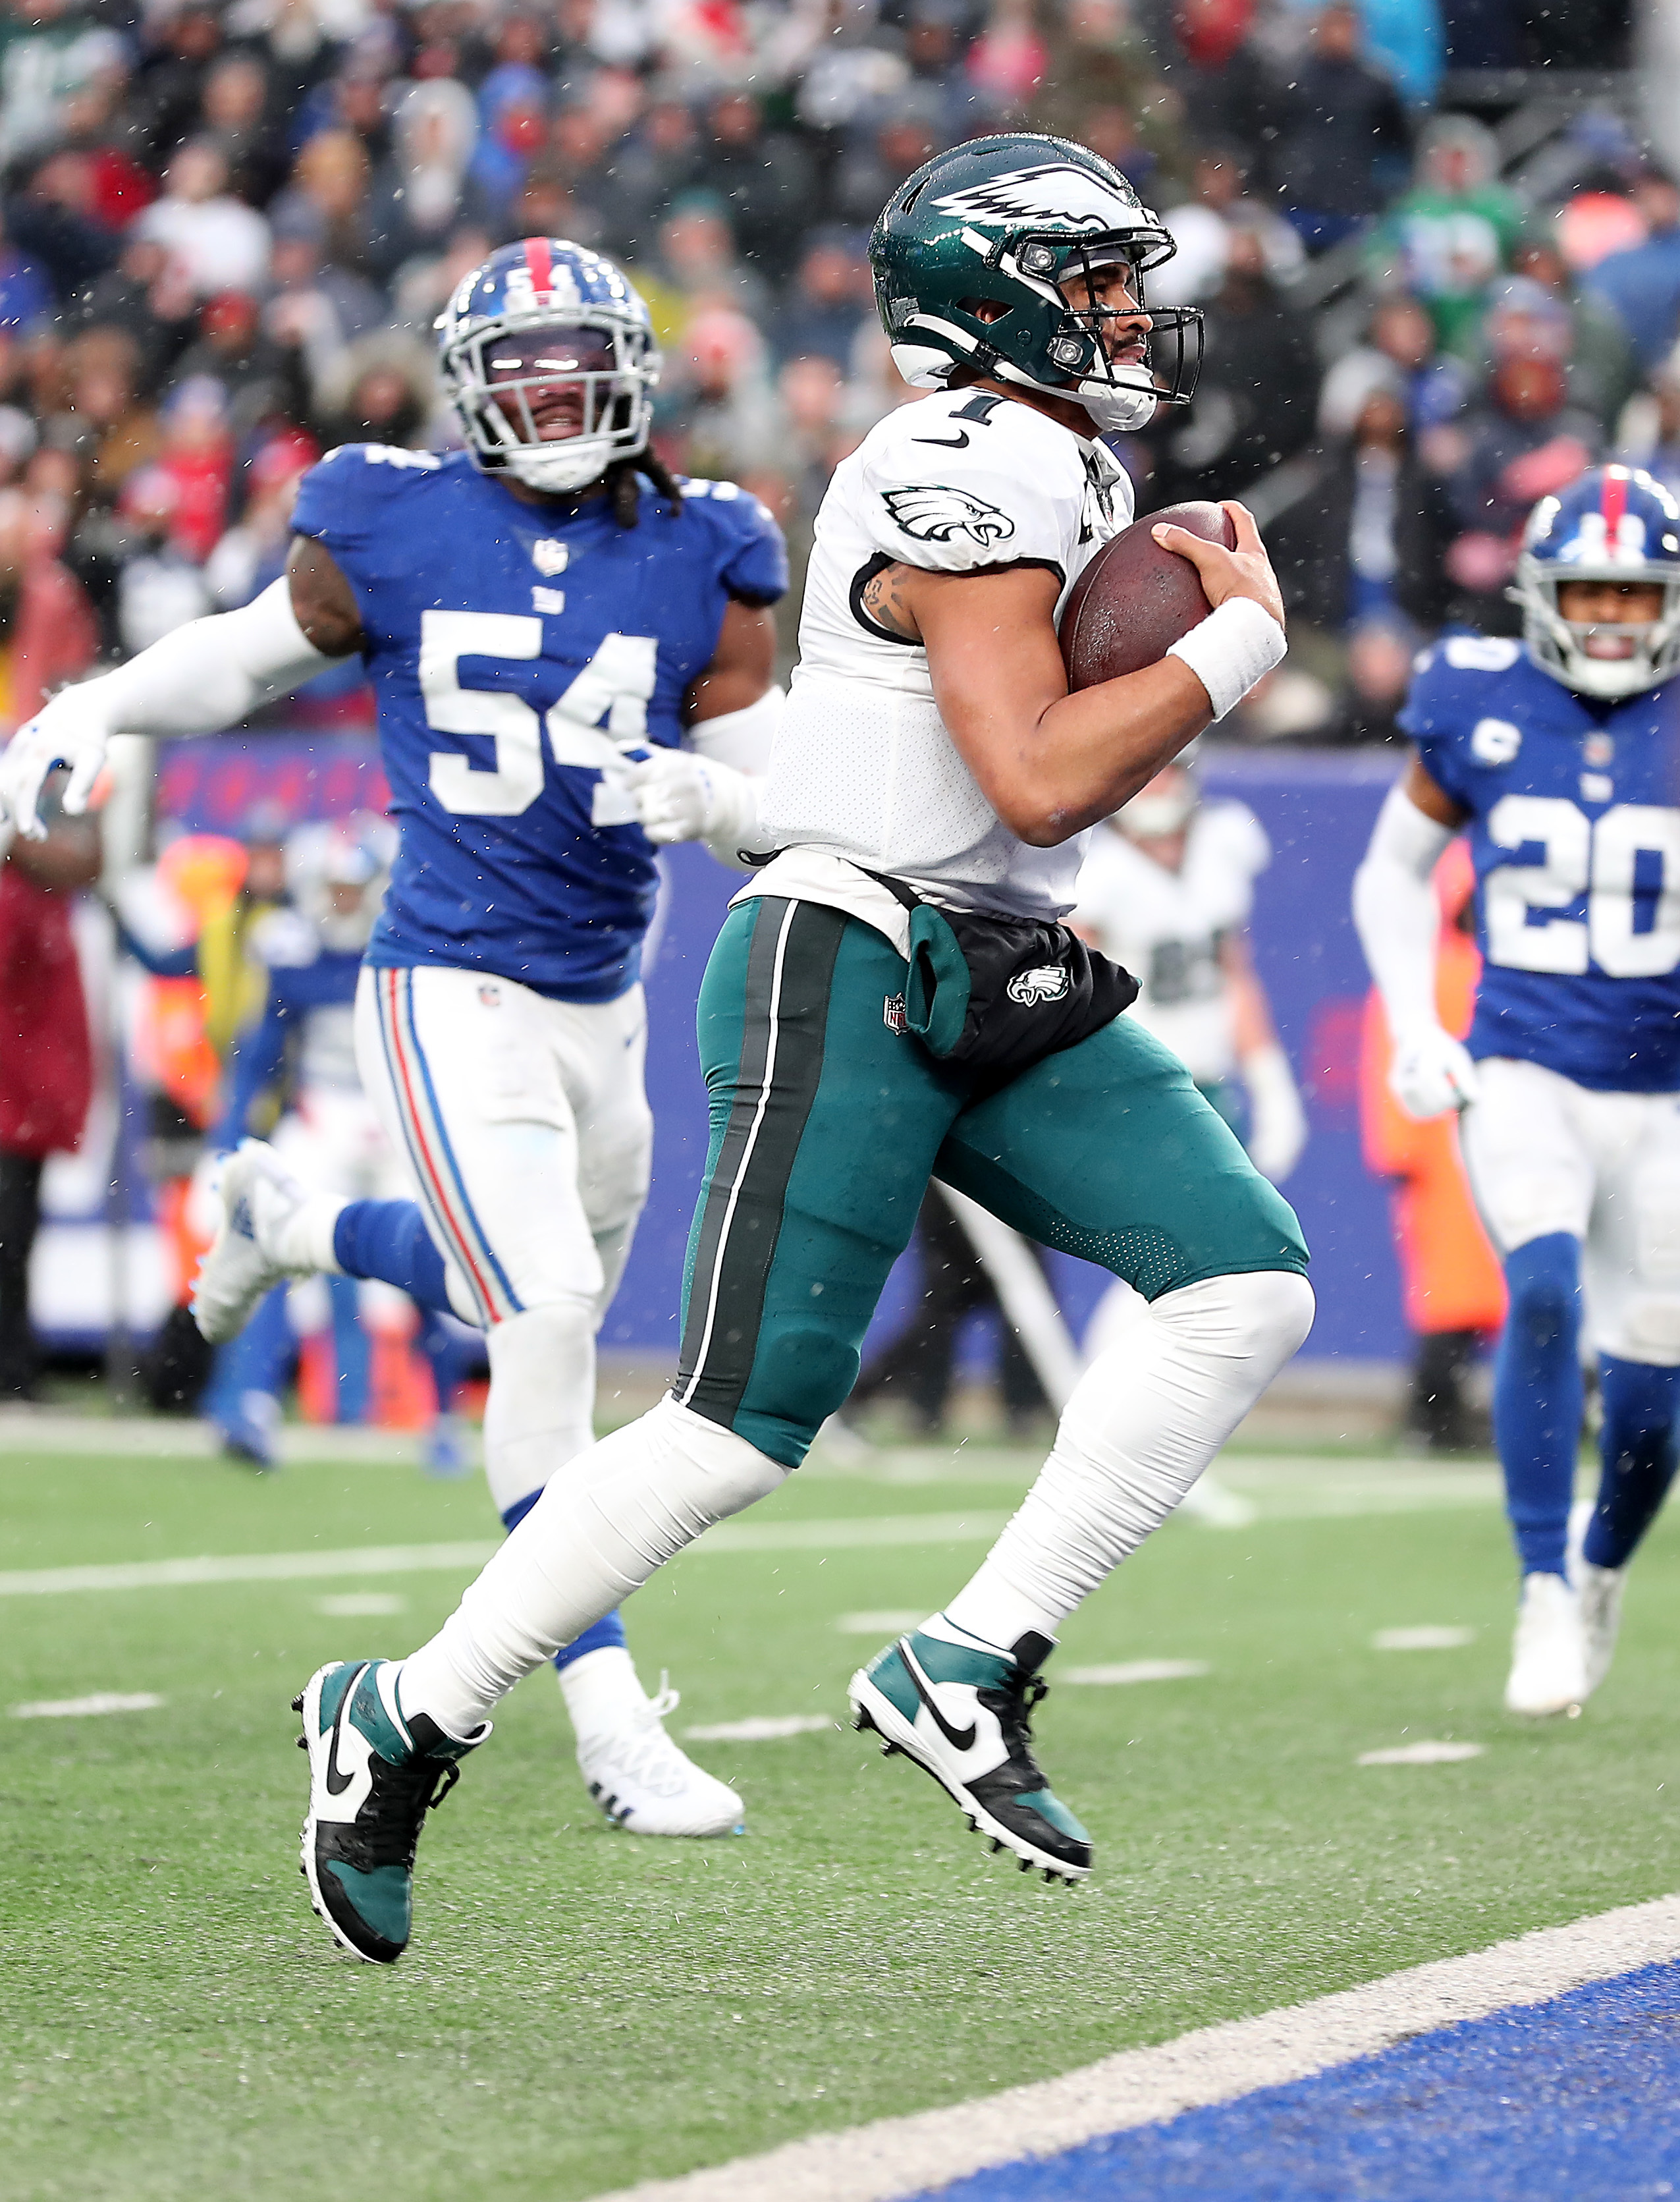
1115 408
554 468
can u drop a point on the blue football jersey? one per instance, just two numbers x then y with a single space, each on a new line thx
522 656
1575 839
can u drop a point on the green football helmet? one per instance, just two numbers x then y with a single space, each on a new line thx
1006 222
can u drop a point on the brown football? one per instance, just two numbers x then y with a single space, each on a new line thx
1135 600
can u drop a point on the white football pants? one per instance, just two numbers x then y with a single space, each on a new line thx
1545 1155
529 1139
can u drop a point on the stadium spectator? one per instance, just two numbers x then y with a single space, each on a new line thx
25 293
828 301
724 418
1202 226
233 117
1641 286
54 53
46 1061
1257 400
1603 373
1341 133
763 178
426 188
1523 441
1401 340
1219 75
221 243
1367 541
148 296
167 97
1454 232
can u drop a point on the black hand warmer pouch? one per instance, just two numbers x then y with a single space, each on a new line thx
1000 993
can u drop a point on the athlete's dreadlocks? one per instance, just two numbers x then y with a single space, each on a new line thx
626 491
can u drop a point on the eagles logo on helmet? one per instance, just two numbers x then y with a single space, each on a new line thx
1616 524
974 257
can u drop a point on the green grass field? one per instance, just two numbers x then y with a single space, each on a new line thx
581 2008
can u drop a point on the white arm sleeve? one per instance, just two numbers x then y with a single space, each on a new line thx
209 673
1396 912
742 739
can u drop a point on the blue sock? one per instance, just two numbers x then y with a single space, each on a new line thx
389 1239
352 1353
1537 1396
452 1350
602 1635
1638 1446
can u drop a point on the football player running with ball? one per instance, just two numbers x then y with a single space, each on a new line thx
1557 754
852 1045
572 659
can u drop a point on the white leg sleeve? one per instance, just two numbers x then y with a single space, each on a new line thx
596 1534
1146 1420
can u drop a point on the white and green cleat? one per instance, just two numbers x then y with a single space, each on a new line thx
253 1191
961 1712
374 1777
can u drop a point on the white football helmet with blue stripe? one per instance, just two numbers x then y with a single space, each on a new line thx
596 342
1616 524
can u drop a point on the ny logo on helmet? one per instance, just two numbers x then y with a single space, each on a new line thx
1594 541
935 512
1056 196
1045 982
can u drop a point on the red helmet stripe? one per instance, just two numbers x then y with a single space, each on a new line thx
1613 502
538 263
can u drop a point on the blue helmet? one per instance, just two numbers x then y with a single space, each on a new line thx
604 351
1615 524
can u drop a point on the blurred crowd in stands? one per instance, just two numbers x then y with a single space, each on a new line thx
228 228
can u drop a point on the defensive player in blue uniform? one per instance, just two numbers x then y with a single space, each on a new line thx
573 655
1557 756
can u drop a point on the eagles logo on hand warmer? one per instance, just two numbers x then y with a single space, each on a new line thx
1046 982
934 514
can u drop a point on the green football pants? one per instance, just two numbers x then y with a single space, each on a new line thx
826 1125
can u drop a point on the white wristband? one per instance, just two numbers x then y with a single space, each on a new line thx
1231 649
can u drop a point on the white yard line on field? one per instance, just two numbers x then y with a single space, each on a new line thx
895 2157
416 1559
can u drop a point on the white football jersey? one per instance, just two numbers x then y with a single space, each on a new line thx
1165 927
863 767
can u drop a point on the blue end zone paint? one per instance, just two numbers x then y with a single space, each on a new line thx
1577 2098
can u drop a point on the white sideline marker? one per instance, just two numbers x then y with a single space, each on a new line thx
762 1728
1422 1640
1423 1753
101 1701
894 2158
1136 1670
352 1603
893 1622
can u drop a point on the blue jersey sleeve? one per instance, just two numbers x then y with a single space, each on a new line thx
351 504
753 556
1445 704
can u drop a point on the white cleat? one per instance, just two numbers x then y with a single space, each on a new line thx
1599 1592
256 1192
643 1782
1548 1667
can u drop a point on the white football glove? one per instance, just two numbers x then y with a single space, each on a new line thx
66 730
1278 1122
1432 1073
680 796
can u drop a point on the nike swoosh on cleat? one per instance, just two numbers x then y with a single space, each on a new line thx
957 443
959 1739
336 1783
